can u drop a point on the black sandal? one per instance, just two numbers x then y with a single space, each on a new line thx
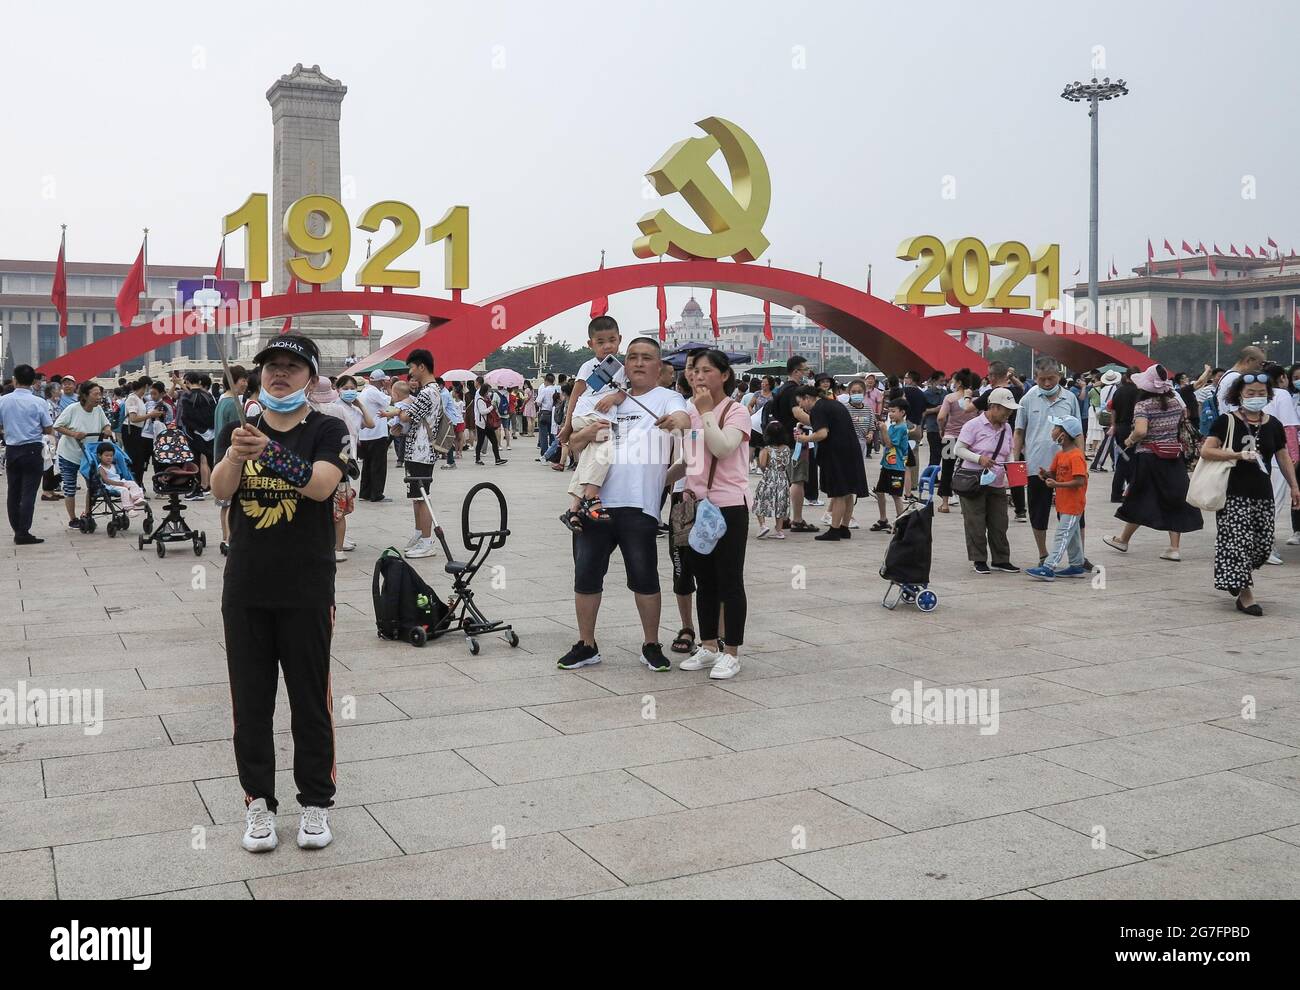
685 641
572 520
591 509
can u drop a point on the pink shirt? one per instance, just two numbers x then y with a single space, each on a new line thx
981 437
731 479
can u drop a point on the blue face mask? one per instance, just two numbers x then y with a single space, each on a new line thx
1051 391
1256 403
349 394
291 402
857 399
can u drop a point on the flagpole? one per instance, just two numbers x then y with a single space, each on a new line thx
1216 335
1293 331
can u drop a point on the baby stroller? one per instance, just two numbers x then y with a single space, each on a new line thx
460 614
907 561
175 473
102 501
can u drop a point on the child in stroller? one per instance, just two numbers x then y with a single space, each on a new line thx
176 473
106 468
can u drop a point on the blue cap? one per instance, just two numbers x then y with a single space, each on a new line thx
1070 424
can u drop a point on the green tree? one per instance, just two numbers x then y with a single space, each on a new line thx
560 359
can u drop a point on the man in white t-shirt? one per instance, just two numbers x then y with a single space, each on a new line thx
633 488
1252 359
372 442
545 408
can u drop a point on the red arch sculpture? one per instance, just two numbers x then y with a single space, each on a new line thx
891 337
460 334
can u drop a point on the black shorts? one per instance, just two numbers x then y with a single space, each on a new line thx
635 534
200 447
422 475
890 483
1039 499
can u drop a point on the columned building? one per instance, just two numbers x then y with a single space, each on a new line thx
1246 290
29 324
791 334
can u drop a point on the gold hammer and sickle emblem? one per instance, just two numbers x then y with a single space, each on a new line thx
735 216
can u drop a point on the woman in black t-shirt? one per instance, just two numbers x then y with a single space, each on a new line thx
281 470
1245 523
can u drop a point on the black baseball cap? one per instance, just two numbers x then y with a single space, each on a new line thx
295 344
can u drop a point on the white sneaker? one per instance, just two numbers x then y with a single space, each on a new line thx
702 659
813 501
726 668
422 548
339 556
314 829
1273 558
762 532
826 519
349 545
1294 541
416 537
853 524
260 835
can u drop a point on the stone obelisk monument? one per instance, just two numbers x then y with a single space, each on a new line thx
305 108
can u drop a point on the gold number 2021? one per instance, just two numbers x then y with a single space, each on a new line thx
964 269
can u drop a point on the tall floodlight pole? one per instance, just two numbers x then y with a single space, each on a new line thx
1093 93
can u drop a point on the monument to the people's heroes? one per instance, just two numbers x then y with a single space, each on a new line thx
306 106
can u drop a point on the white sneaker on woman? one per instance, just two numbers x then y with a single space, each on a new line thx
259 833
701 659
416 537
726 668
1294 541
422 548
1273 558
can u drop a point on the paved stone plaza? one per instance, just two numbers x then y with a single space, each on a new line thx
1122 765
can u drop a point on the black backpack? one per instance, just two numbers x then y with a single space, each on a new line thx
404 602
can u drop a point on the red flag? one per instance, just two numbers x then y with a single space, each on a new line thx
1170 248
1225 329
219 269
1295 321
965 334
1234 250
128 297
1249 252
767 319
1200 246
713 313
293 288
600 305
1214 269
365 325
1151 330
760 352
1188 248
59 295
661 302
1151 252
1216 249
1272 243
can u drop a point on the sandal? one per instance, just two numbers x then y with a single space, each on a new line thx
803 527
590 508
572 520
685 641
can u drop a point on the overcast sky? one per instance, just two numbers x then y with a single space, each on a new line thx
542 117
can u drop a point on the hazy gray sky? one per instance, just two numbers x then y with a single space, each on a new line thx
542 117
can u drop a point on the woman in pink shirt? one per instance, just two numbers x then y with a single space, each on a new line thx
957 410
717 457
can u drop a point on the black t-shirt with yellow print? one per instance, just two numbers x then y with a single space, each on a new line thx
281 542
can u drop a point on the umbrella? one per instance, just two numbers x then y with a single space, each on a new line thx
390 367
678 358
458 375
504 378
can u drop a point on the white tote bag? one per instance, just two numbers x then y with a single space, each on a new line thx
1208 489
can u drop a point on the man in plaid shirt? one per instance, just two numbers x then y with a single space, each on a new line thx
422 417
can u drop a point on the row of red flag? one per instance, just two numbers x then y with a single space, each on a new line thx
128 297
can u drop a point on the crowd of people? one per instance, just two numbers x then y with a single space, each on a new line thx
707 447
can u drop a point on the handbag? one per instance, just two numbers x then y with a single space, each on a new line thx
1208 488
966 479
